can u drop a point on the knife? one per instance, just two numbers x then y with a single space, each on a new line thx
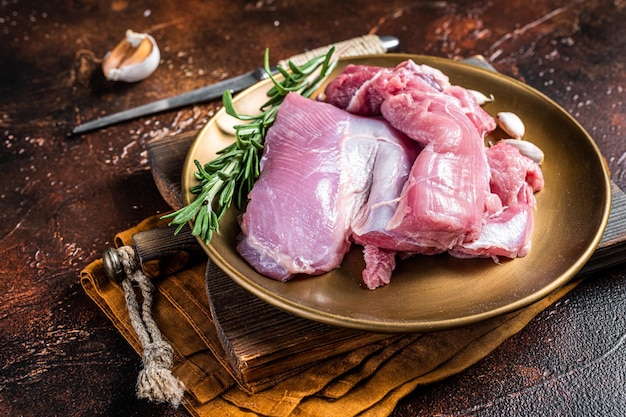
368 44
173 251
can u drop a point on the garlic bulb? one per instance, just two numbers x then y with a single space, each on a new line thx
133 59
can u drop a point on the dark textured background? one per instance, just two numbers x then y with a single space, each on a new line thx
62 198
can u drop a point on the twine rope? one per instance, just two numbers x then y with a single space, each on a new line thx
155 382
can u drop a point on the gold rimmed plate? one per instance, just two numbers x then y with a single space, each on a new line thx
439 292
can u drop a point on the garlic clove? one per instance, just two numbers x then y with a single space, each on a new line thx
226 123
481 98
511 124
527 149
249 107
135 58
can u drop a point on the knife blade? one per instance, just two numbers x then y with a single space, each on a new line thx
357 46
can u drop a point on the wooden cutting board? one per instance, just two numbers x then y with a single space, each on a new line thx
265 345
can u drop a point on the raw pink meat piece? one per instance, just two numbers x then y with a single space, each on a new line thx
351 90
379 264
508 231
443 200
514 177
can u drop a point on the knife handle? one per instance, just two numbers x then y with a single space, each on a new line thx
159 252
363 45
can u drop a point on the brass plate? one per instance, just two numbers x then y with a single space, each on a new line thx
438 292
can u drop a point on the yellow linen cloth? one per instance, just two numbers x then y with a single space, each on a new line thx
368 381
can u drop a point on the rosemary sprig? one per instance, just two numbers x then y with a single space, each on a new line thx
231 175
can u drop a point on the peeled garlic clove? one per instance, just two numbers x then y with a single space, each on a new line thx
481 98
249 107
133 59
511 124
526 148
226 123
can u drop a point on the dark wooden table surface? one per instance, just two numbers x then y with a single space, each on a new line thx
63 197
